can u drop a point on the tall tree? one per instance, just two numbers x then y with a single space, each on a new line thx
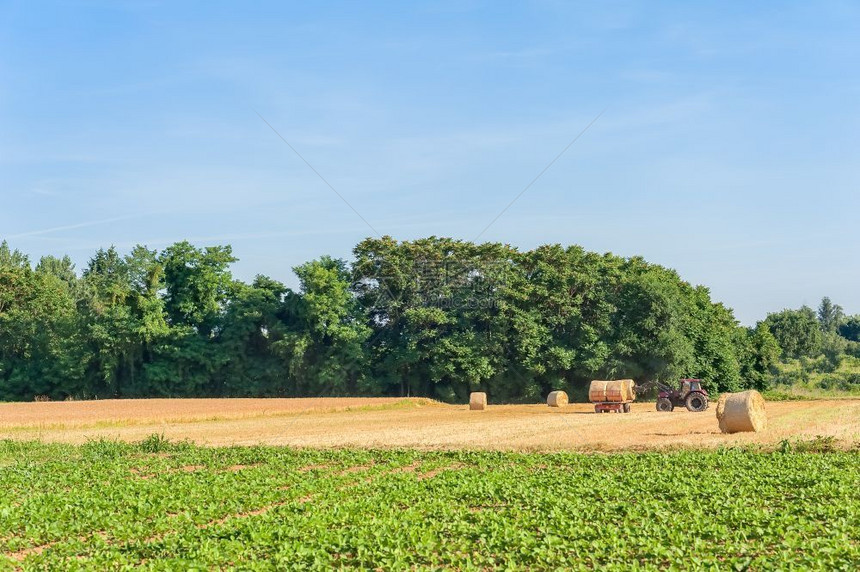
12 258
649 338
324 345
198 284
39 340
110 325
430 305
255 321
63 268
830 315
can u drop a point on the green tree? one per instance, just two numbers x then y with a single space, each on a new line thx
124 317
797 332
557 311
198 285
713 331
12 258
833 348
435 317
648 334
255 321
850 329
109 324
758 353
63 268
324 342
430 305
830 315
39 340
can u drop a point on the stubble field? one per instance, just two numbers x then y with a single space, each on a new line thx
415 423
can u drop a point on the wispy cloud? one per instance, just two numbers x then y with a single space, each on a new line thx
72 226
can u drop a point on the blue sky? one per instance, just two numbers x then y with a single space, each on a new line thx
728 149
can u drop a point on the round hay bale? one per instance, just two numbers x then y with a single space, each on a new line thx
557 399
597 391
477 401
616 391
629 392
743 411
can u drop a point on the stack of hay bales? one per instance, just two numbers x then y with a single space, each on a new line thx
477 401
743 411
611 391
557 399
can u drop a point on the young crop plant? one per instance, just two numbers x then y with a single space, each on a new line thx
166 506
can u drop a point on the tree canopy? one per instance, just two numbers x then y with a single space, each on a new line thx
433 317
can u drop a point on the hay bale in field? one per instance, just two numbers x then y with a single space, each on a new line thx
743 411
597 391
477 401
557 399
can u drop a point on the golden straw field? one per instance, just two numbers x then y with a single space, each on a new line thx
415 423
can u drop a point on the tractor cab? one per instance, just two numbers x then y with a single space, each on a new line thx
690 385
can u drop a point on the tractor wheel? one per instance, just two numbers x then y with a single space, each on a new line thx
664 404
697 402
626 408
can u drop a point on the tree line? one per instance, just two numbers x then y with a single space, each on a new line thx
434 317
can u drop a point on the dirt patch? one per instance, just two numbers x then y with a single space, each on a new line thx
237 468
309 468
250 513
356 469
432 473
141 474
411 468
21 555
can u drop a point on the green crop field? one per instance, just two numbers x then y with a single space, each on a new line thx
175 506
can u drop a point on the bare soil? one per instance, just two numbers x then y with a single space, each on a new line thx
416 423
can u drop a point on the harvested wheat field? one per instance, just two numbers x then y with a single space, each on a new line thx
415 423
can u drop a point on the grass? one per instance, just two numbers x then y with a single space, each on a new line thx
805 379
164 505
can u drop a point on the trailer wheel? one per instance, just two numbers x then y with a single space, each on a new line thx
664 404
626 408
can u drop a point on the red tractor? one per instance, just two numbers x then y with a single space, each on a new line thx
689 394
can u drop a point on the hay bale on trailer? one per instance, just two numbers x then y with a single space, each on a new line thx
597 391
629 389
743 411
477 401
557 399
615 391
